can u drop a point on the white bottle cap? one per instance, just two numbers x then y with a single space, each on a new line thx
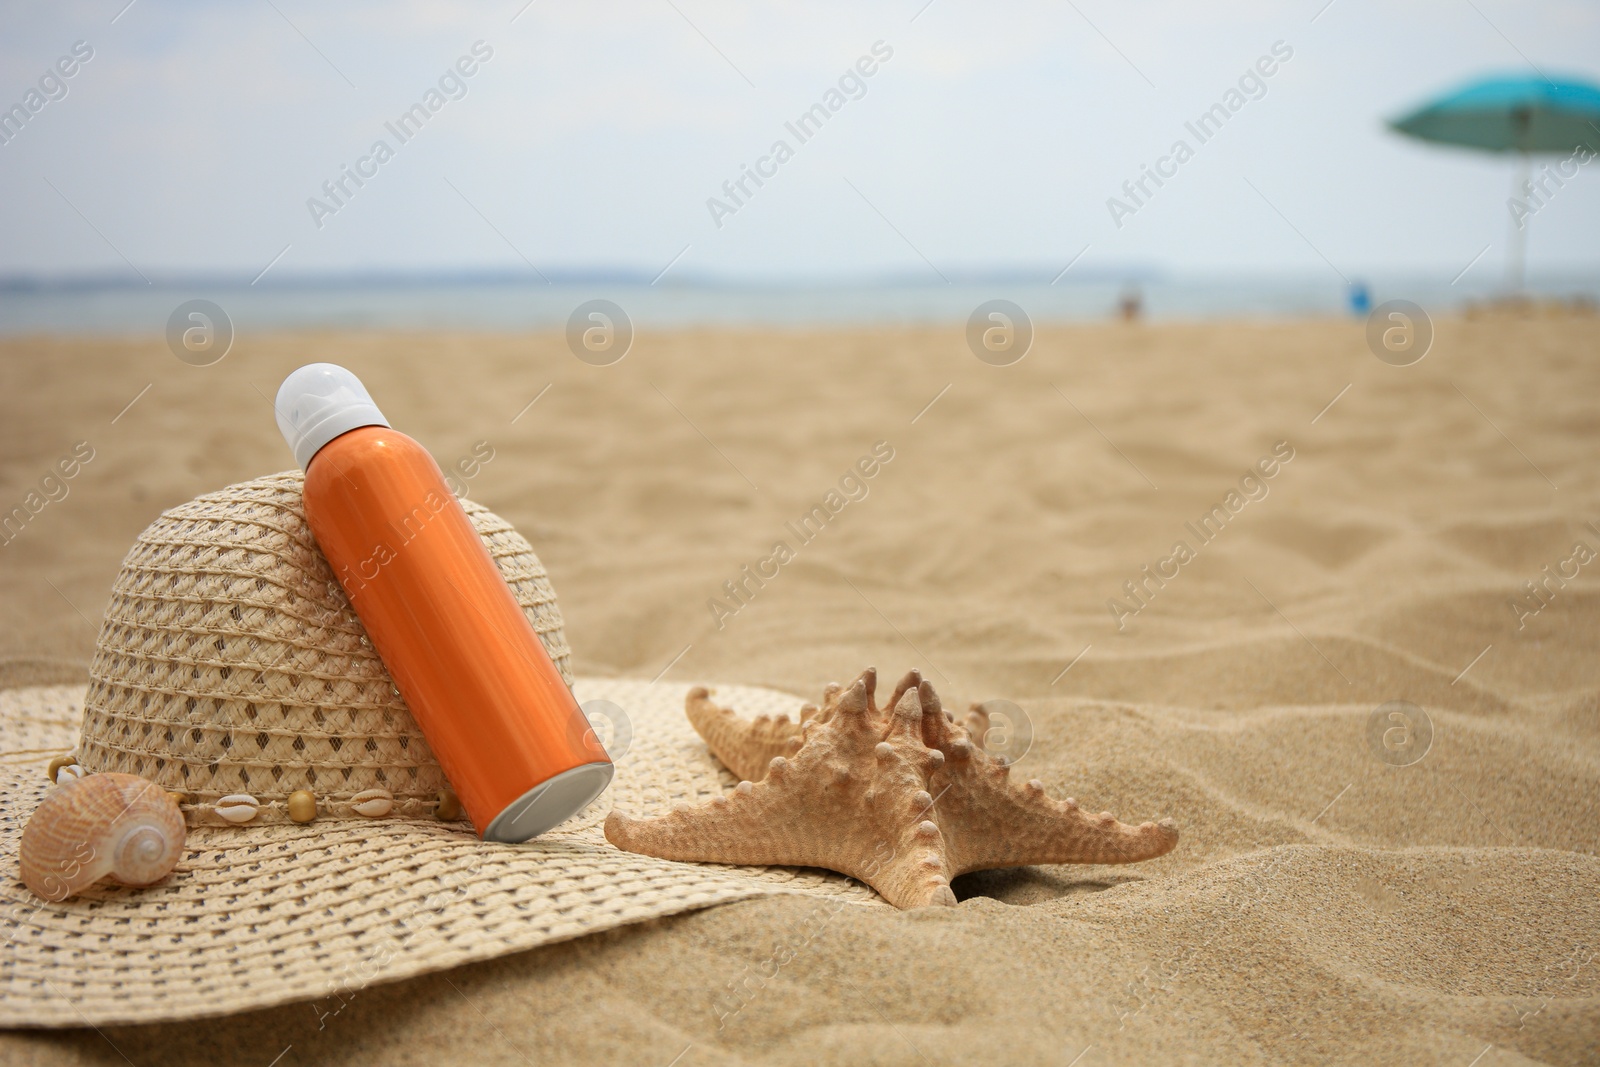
319 402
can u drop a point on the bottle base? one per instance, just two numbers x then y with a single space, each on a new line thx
550 803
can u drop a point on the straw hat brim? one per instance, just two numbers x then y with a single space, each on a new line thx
258 916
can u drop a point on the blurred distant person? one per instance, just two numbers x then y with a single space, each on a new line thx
1360 299
1131 304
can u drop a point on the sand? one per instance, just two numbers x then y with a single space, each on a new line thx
1323 906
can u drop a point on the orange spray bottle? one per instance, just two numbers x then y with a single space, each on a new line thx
508 732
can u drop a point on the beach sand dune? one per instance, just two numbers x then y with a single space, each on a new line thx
1325 904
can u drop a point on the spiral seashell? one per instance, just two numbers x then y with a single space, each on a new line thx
104 824
238 807
373 803
68 772
58 763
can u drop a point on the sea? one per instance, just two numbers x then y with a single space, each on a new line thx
495 303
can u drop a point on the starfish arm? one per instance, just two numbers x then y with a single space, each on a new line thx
745 747
755 824
991 823
905 864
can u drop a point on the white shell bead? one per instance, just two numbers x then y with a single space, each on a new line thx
238 807
373 803
68 772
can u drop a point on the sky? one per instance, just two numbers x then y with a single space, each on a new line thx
989 137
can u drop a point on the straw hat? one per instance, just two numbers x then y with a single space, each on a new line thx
230 663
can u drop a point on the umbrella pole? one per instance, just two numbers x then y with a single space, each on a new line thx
1517 252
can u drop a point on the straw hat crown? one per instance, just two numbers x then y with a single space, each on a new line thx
231 663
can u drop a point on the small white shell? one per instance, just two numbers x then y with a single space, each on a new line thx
70 771
238 807
373 803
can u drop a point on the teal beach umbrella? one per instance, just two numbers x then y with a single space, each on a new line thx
1513 114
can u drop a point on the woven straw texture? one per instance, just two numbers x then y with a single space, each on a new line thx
230 662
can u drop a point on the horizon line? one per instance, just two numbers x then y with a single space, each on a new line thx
358 277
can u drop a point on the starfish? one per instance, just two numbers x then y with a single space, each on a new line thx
856 792
746 747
